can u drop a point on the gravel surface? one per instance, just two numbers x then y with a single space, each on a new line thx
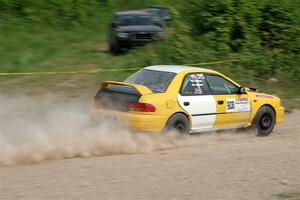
223 166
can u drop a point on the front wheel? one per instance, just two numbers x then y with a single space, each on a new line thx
178 123
264 121
114 47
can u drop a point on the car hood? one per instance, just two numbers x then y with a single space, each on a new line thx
139 29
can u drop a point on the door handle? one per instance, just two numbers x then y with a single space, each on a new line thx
220 102
186 103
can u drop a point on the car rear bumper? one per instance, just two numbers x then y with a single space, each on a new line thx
133 121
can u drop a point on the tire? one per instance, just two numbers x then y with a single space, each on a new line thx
264 121
111 47
178 123
114 48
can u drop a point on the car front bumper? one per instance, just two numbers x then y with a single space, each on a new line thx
279 114
132 42
132 120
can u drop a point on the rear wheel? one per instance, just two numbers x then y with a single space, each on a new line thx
264 121
178 123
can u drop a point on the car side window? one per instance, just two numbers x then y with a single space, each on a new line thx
194 84
219 85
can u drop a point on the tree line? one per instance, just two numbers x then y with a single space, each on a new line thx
266 29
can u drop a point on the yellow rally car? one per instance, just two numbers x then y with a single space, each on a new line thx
186 99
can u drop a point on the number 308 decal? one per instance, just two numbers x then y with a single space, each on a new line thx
237 105
230 105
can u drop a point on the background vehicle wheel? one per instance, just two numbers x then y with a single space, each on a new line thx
178 123
113 48
264 121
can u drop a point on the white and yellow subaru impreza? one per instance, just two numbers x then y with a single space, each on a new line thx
186 99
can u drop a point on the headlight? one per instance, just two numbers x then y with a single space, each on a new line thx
123 35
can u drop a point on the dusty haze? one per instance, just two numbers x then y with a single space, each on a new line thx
35 129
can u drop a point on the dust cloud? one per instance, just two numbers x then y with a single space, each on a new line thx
36 129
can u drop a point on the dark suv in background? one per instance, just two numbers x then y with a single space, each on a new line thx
132 28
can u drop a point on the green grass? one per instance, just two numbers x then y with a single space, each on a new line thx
28 48
44 50
292 195
47 49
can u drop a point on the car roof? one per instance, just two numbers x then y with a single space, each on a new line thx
153 9
133 12
177 68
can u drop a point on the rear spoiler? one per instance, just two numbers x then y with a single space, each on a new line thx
140 88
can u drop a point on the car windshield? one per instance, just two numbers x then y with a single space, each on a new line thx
157 81
135 20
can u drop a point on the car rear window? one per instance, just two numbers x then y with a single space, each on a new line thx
157 81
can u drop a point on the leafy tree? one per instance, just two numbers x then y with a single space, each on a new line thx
277 24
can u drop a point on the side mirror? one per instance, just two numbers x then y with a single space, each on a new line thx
242 90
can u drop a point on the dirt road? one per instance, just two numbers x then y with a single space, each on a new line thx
226 166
